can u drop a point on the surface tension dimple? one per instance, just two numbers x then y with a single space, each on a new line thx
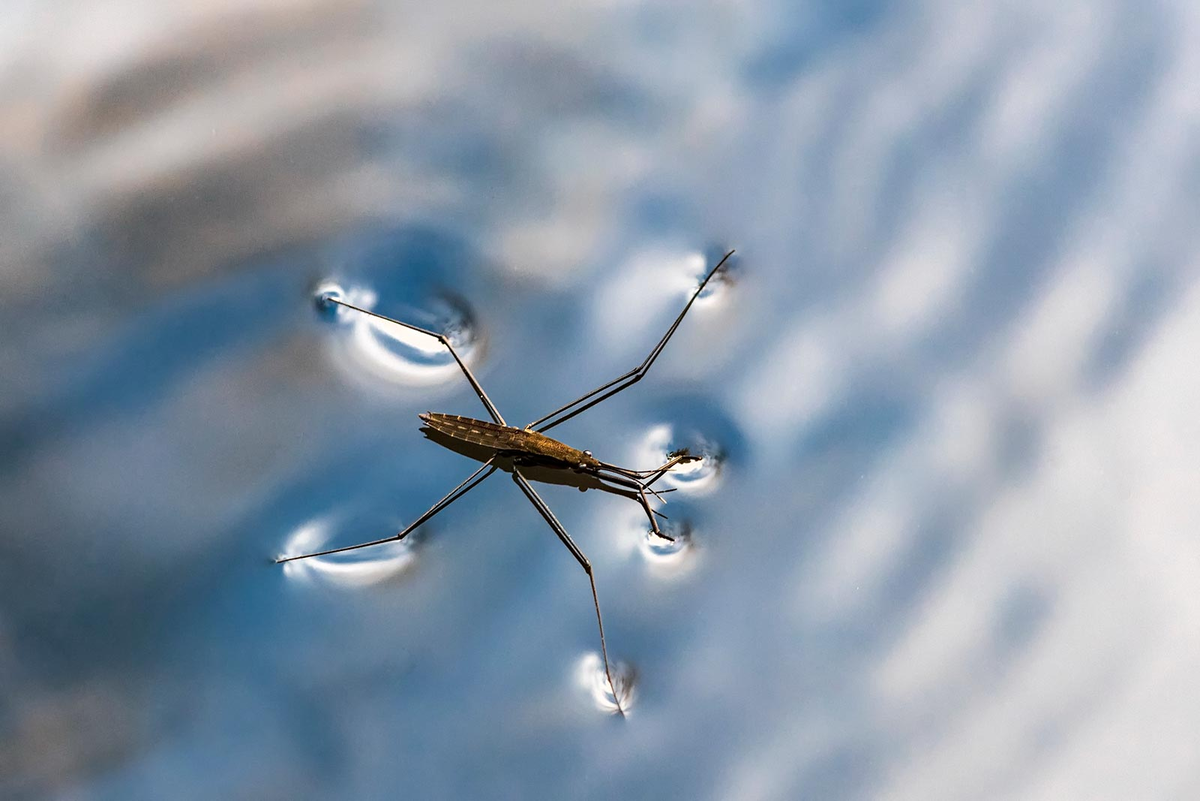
699 476
392 352
620 696
356 569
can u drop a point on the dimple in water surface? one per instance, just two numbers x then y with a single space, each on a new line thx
394 353
352 570
699 476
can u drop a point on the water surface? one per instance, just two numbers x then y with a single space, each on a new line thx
944 544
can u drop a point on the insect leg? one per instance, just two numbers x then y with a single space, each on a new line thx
473 480
640 489
650 475
445 341
549 517
546 422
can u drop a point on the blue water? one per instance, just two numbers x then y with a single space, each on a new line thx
943 540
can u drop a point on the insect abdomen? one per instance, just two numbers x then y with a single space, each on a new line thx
478 432
501 438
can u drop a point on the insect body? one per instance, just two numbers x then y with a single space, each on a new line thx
519 449
508 439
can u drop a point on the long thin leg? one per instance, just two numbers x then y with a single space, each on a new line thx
640 489
549 517
628 379
652 475
462 489
445 341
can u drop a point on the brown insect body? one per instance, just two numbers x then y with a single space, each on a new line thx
523 441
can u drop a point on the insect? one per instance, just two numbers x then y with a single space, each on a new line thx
525 451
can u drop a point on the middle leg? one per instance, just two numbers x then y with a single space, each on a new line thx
442 338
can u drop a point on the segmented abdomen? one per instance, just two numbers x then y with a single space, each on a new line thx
502 438
479 432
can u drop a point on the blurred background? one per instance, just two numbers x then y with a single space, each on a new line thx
944 542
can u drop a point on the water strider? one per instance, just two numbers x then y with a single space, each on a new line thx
522 449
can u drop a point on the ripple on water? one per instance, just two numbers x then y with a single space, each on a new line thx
589 674
670 558
699 476
717 288
324 295
650 289
683 273
392 352
359 568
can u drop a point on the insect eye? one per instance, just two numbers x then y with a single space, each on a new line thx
587 454
582 466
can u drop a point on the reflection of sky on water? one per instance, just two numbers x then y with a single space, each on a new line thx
950 551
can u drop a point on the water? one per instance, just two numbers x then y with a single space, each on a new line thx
941 542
